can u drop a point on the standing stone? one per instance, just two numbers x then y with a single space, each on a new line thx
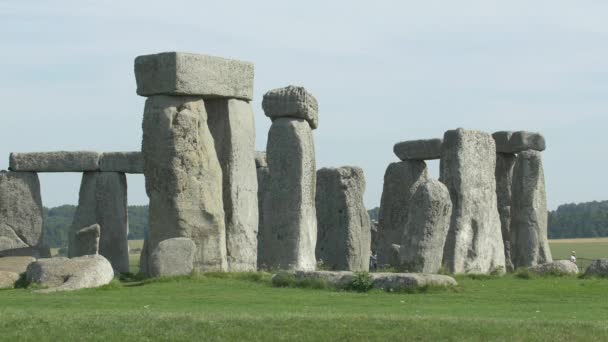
504 179
289 207
529 243
427 227
183 179
344 232
263 232
474 242
400 182
232 125
103 201
86 241
291 102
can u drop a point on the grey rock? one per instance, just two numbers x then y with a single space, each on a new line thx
8 279
400 182
15 264
36 252
394 255
86 241
264 233
374 236
504 180
103 200
418 149
529 242
598 268
558 267
177 73
184 179
172 257
231 123
293 102
143 258
63 274
427 227
260 159
515 142
289 207
343 224
126 162
61 161
474 242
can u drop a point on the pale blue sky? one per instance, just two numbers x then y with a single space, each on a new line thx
383 72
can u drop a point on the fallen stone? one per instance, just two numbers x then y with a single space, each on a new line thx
8 279
55 161
515 142
427 227
178 73
418 149
400 182
231 123
529 242
63 274
467 168
15 264
293 102
343 224
86 241
125 162
172 257
598 268
558 267
504 182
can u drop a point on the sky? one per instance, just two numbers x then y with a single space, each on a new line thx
382 71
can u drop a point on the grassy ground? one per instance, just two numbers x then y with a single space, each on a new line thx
586 249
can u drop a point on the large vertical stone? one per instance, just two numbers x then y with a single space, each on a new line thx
263 232
183 179
474 242
427 227
344 231
504 179
529 244
86 241
232 126
400 182
289 208
103 200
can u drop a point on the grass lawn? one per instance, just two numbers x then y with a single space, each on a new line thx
586 249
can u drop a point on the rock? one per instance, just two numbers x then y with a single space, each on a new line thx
184 179
143 259
61 161
474 242
504 181
264 233
178 73
232 125
63 274
172 257
400 182
529 242
36 252
598 268
558 267
260 159
419 149
103 200
289 207
20 214
374 236
126 162
8 279
515 142
292 102
343 224
15 264
394 255
86 241
427 227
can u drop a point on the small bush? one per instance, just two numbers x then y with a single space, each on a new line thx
283 279
362 282
524 273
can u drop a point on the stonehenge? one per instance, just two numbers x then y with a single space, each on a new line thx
172 257
418 149
263 176
504 179
86 241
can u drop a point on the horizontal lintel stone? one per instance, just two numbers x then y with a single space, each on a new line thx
127 162
515 142
61 161
426 149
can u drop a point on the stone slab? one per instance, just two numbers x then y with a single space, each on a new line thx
291 101
172 257
427 149
61 161
515 142
126 162
504 180
86 240
63 274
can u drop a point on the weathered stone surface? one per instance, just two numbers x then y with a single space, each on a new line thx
63 274
426 229
178 73
289 207
504 181
15 264
86 241
343 224
474 242
184 179
293 102
103 201
8 279
400 182
374 236
126 162
20 214
598 268
172 257
529 242
558 267
264 231
61 161
418 149
515 142
260 159
231 123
